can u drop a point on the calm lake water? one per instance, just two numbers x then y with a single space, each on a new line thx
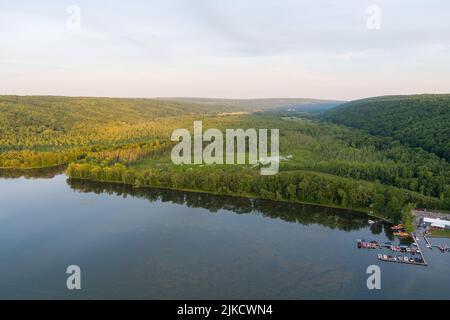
156 244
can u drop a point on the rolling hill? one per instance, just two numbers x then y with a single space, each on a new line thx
298 104
416 120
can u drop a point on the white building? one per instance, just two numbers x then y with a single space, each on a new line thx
437 223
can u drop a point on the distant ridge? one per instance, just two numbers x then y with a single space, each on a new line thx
258 104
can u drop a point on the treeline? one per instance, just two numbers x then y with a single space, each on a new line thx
418 179
128 154
32 159
355 154
296 186
105 155
418 120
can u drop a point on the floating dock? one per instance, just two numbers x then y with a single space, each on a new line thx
427 241
403 261
420 250
392 258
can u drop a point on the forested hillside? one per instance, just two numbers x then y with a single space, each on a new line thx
325 164
417 120
128 141
48 122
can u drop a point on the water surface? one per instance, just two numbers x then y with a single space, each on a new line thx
159 244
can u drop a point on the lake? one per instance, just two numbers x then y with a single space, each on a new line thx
160 244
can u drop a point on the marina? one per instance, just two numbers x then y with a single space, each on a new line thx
416 258
408 254
414 250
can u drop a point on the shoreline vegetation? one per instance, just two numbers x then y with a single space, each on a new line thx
128 141
296 187
361 210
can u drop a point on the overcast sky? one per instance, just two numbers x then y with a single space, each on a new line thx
225 48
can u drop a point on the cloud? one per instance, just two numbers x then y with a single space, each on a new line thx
263 44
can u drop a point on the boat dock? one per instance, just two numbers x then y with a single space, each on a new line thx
420 250
415 249
407 261
426 240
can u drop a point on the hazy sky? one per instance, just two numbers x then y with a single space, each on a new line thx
225 48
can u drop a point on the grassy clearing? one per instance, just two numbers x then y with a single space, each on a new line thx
440 233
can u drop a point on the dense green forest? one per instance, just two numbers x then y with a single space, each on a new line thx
128 141
328 165
47 123
418 120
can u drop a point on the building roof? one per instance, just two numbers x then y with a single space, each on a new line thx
438 225
444 223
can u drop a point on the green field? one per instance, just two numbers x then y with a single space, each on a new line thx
440 233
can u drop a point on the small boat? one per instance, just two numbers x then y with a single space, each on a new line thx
400 258
411 260
385 257
380 256
401 234
371 222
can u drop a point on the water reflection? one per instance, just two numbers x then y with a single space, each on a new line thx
151 248
340 219
296 213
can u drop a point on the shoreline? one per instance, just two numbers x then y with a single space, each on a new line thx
34 168
358 210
